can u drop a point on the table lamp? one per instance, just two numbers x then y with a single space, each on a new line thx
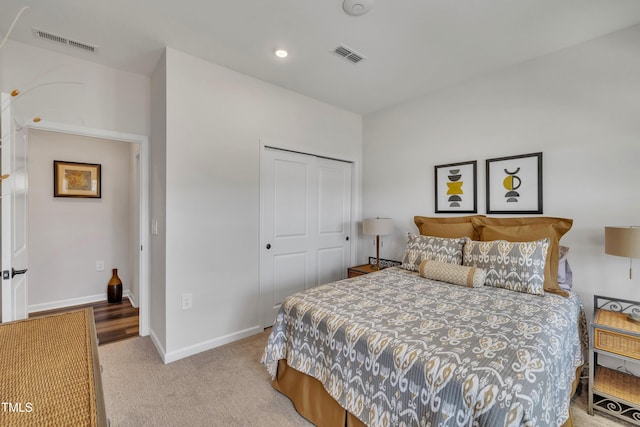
622 241
377 227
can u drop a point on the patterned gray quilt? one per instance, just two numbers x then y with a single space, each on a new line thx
396 349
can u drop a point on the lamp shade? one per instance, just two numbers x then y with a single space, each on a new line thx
377 226
622 241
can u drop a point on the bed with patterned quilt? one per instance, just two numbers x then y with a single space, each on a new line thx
463 334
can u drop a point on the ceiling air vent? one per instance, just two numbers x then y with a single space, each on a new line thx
349 54
44 35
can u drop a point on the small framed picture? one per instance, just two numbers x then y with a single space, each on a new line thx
456 187
71 179
514 184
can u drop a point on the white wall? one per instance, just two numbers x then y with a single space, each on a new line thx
67 236
106 98
215 118
157 205
134 223
1 66
580 107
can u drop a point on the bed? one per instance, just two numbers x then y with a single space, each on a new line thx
400 348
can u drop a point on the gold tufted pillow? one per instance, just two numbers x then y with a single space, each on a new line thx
453 226
471 277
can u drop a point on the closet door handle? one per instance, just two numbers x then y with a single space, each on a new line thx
268 245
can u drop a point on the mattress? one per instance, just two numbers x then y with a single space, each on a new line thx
394 348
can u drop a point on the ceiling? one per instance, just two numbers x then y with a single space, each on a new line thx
412 46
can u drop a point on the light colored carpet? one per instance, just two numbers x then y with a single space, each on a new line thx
226 386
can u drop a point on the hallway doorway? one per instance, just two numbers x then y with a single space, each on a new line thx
138 237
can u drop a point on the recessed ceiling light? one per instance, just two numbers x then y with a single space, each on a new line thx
281 53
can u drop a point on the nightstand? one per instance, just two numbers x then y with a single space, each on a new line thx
359 270
613 334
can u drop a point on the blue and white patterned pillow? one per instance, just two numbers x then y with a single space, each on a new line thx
517 266
420 248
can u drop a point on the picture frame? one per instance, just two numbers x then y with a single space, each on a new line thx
72 179
514 184
456 187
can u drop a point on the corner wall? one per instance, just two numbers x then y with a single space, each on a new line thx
579 106
215 120
157 207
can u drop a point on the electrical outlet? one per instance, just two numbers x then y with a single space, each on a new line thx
187 301
99 265
154 227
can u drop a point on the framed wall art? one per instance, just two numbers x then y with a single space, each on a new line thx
455 188
71 179
514 184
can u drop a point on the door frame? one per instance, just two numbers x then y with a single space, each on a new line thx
143 254
355 203
8 219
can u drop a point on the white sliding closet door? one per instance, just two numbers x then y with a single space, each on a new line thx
305 224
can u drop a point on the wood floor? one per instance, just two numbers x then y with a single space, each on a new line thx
114 321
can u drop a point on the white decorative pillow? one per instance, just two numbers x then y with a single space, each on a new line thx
420 248
471 277
517 266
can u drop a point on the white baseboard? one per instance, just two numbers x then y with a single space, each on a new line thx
208 345
132 297
156 342
72 301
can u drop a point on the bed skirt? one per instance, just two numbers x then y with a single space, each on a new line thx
314 403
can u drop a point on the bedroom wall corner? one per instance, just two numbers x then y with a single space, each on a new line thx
157 206
579 106
215 120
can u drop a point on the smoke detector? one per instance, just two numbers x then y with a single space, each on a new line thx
357 7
